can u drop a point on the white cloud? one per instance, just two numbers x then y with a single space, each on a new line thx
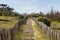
34 1
29 6
23 5
30 9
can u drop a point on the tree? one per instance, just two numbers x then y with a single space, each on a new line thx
3 6
9 10
41 14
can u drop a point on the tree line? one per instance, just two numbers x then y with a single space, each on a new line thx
6 10
52 15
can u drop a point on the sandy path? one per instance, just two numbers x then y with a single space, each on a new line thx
28 31
31 31
38 35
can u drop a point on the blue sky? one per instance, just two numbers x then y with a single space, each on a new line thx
28 6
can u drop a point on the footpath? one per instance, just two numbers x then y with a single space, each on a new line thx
30 31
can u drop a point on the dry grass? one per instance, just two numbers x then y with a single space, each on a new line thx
55 24
5 24
39 34
19 34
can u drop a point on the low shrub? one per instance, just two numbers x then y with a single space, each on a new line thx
45 21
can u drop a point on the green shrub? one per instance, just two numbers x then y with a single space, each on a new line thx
0 13
45 21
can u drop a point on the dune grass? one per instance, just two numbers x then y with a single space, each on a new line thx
55 24
10 24
19 34
39 34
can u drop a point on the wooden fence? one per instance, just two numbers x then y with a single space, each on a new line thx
8 34
51 33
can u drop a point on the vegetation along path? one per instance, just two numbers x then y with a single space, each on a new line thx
30 31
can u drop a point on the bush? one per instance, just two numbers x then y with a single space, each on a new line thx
45 21
0 13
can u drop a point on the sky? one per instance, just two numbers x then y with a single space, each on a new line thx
31 6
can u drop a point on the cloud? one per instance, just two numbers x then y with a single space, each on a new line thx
29 9
23 5
29 6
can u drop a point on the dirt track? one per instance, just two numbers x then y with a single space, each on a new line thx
31 31
28 31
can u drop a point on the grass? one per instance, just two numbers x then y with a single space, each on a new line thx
39 34
10 24
19 34
55 24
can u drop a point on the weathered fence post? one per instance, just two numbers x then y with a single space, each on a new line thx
58 35
51 33
9 35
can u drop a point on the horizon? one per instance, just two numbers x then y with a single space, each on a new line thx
32 6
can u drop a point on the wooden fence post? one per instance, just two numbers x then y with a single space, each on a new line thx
9 35
58 35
